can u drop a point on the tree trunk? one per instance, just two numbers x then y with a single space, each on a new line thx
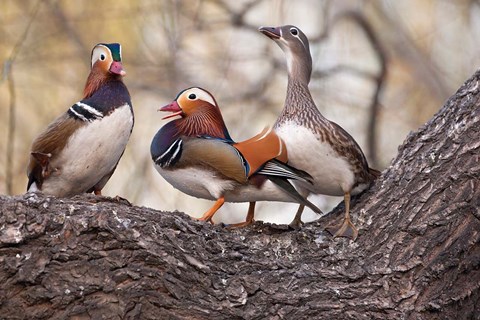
417 255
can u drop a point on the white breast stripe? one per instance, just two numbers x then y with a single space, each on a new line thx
91 110
179 146
78 114
168 150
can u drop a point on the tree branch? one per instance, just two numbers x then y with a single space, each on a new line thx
416 256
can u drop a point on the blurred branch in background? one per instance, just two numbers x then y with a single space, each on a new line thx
63 21
8 76
237 17
379 79
412 50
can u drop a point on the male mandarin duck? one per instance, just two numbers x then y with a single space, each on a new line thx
196 155
79 151
315 144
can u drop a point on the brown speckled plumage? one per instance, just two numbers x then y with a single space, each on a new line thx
300 109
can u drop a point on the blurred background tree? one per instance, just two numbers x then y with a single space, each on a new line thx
381 69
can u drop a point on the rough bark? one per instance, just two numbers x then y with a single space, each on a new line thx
417 255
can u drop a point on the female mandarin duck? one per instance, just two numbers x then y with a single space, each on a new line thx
315 144
196 155
80 150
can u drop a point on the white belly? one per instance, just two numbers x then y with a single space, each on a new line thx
205 184
332 175
91 153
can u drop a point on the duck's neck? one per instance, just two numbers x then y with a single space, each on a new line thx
207 122
96 80
299 67
299 105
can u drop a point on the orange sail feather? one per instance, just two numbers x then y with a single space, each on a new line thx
261 148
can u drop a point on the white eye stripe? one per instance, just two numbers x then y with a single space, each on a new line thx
303 43
200 94
296 36
100 51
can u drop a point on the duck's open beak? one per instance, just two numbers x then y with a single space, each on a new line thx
172 107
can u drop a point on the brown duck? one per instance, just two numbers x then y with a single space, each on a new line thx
316 145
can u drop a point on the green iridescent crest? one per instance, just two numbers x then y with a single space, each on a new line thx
116 50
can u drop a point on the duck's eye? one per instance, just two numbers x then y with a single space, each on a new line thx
294 31
102 57
192 96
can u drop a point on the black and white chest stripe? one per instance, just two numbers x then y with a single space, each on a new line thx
84 112
171 155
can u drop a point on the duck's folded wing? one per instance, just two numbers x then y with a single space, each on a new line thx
49 142
279 169
217 155
260 149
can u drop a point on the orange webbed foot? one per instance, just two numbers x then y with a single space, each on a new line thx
208 215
